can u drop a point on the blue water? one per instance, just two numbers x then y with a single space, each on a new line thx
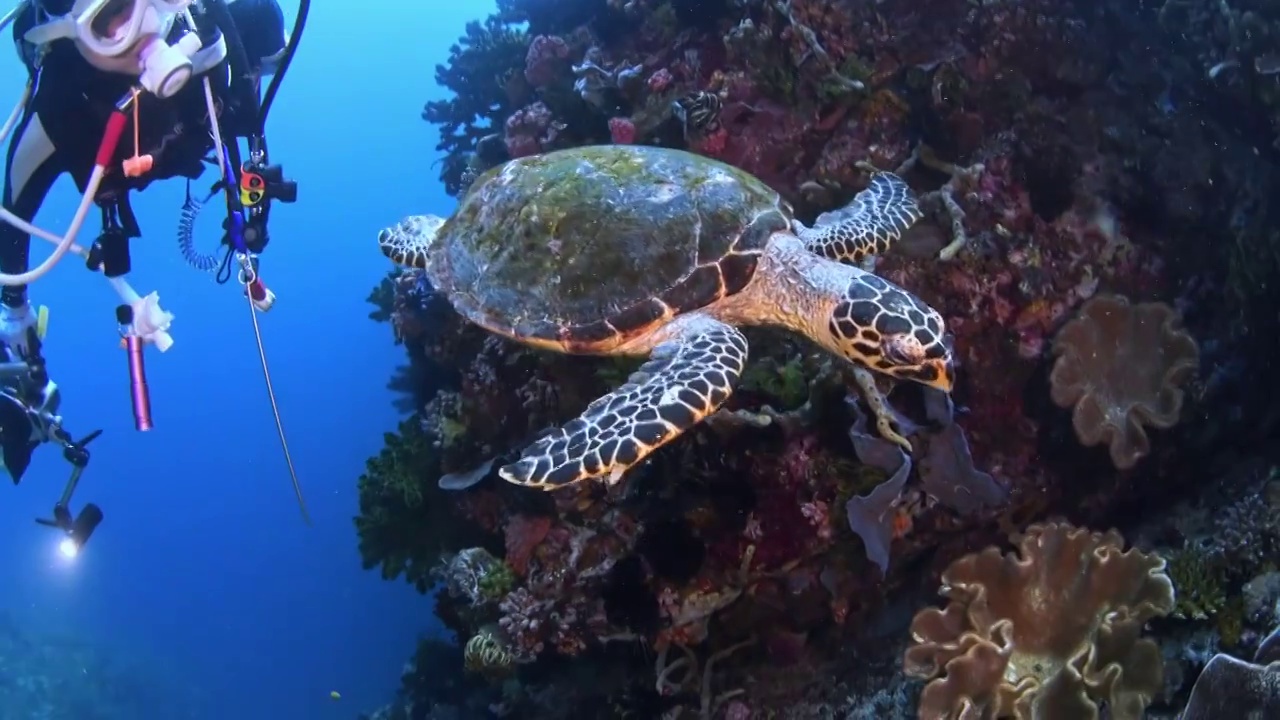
203 574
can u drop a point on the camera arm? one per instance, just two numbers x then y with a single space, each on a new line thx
29 382
78 455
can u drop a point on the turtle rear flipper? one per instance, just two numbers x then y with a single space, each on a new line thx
690 373
875 218
407 242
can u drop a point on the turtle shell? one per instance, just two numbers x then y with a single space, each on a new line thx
586 248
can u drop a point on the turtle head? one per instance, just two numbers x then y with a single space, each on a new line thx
408 241
891 331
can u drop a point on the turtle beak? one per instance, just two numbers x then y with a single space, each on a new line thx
938 373
944 372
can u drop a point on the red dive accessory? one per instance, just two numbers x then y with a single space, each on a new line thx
139 392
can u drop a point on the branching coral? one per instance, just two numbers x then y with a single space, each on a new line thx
1048 634
1120 367
679 675
551 16
479 74
405 522
383 297
1199 579
945 196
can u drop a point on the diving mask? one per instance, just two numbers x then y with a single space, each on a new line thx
126 36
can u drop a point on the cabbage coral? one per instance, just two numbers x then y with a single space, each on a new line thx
1048 634
1120 367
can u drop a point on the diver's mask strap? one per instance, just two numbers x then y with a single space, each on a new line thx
63 28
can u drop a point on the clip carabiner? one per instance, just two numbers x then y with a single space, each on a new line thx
254 289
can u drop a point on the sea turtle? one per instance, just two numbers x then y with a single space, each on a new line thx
638 250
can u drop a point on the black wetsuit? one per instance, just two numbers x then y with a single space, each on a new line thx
67 113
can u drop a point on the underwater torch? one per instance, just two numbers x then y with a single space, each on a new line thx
139 393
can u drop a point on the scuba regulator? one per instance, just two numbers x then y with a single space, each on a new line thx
260 184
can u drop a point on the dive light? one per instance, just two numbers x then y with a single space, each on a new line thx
78 530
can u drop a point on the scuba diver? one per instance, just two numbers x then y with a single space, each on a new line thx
187 76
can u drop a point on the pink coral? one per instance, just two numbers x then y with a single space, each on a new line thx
714 143
787 523
523 535
660 80
555 608
529 130
622 130
547 58
818 515
523 615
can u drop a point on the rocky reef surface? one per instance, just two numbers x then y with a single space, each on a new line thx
54 675
1087 520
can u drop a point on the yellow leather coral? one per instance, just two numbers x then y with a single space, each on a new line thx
1044 636
1119 367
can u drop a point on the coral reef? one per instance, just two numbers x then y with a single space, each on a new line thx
1098 238
1052 630
480 75
404 527
58 676
1229 687
1120 367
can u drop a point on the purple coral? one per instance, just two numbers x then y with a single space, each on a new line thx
1120 367
948 474
870 516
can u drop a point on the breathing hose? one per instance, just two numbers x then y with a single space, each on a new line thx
299 24
239 61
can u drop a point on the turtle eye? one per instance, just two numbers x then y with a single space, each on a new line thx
903 349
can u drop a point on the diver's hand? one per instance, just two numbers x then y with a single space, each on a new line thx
16 325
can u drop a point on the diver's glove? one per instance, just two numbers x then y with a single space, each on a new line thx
15 329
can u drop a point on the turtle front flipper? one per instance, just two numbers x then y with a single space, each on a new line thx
690 373
408 241
865 227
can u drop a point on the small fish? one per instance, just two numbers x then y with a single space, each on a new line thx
335 695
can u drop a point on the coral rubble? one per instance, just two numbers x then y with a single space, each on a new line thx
1094 179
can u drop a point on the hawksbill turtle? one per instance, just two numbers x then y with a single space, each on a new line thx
637 250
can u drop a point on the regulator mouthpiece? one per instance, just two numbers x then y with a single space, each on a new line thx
167 68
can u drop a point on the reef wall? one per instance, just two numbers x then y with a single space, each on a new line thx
1095 179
